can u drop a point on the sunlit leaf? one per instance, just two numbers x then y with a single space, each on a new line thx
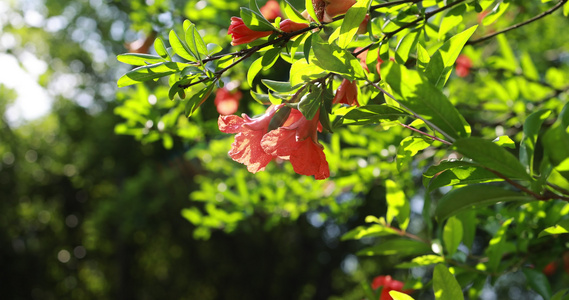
397 205
473 196
149 72
196 101
310 9
404 247
445 285
310 103
332 58
373 230
161 49
180 47
254 69
408 148
491 156
440 65
416 93
137 59
496 248
255 21
422 261
395 295
532 126
352 20
559 228
452 235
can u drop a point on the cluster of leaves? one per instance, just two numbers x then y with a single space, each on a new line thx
458 140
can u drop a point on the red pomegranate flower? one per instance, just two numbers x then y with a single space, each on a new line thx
241 34
271 10
347 93
297 141
246 148
388 284
338 7
463 65
290 26
227 102
362 29
363 56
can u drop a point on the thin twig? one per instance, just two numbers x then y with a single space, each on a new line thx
388 35
545 13
557 188
545 197
436 128
426 134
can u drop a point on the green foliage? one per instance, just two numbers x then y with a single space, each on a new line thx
488 142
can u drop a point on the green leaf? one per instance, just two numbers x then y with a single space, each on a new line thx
373 230
473 196
556 140
194 103
310 9
279 118
449 173
406 45
532 126
403 247
255 21
395 295
397 205
161 49
496 13
137 59
559 228
196 42
261 98
301 72
180 47
423 57
293 14
562 294
213 48
149 72
468 220
505 141
352 20
445 285
451 20
496 248
538 282
422 261
310 103
510 61
269 58
408 148
528 67
452 235
280 86
440 64
193 215
492 156
332 58
370 114
254 69
566 9
417 94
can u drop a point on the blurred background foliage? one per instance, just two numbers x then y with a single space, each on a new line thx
111 193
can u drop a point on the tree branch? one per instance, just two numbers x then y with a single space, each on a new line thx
436 128
426 134
545 13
